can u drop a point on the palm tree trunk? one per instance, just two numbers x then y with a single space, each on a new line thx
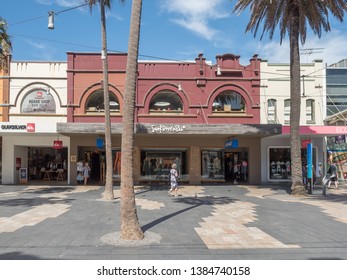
108 193
295 99
130 228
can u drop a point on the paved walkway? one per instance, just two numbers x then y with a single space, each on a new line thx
203 222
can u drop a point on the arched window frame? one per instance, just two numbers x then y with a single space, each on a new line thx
166 102
229 101
98 106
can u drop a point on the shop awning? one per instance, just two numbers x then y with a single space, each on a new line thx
323 130
256 130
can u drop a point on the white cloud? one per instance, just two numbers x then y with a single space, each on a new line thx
195 15
39 46
69 3
62 3
42 51
44 2
109 14
330 47
333 46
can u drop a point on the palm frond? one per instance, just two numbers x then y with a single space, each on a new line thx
270 15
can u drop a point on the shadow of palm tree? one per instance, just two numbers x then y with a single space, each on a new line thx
17 256
194 202
30 202
44 190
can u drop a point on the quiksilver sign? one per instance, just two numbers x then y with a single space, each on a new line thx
29 127
167 128
13 127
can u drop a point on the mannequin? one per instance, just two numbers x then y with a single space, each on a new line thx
102 168
117 163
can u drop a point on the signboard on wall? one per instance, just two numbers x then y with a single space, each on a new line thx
304 143
23 175
38 101
57 144
231 144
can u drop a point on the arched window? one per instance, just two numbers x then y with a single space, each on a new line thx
287 111
229 101
38 101
271 111
310 112
95 102
166 101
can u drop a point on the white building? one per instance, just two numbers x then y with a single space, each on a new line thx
275 104
36 102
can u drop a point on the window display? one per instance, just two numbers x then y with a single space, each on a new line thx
229 101
280 164
166 101
95 102
156 164
212 167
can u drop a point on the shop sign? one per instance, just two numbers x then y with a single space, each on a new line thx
57 144
29 127
23 175
304 143
167 128
100 143
39 102
231 144
13 127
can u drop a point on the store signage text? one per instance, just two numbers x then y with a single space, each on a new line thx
167 128
341 130
13 127
29 127
231 144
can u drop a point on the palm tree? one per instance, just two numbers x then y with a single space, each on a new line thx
130 228
292 16
108 193
5 44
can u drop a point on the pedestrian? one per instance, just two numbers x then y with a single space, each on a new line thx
173 180
333 175
319 175
86 171
236 172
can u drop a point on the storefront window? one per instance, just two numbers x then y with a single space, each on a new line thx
337 152
95 102
156 164
212 167
229 101
38 101
280 164
166 101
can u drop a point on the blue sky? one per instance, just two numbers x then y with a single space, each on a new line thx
170 29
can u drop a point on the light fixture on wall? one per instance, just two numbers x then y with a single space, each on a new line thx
179 86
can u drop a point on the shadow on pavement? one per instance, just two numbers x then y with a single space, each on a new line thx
194 202
18 256
30 202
